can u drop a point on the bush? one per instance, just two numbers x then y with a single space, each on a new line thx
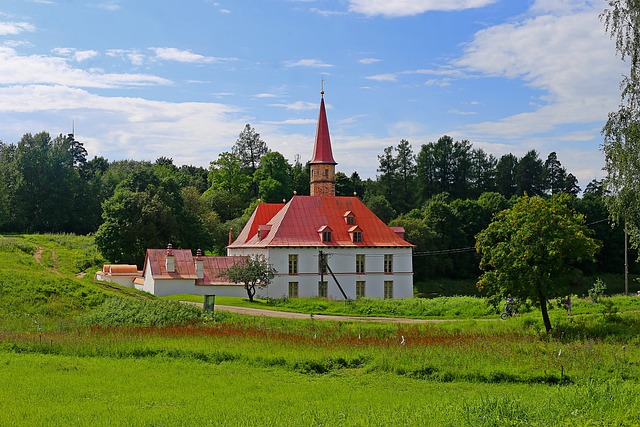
597 290
117 311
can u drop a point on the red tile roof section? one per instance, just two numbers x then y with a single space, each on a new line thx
185 266
213 266
263 213
298 222
322 148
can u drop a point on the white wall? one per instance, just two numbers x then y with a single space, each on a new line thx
342 262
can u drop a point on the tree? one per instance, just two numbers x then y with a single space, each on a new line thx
250 149
253 272
228 194
506 175
444 167
529 179
554 175
274 178
528 251
622 131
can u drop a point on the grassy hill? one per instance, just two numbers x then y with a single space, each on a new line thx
46 281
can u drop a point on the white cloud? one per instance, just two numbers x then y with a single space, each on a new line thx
264 95
14 28
40 69
563 53
383 77
128 128
293 122
368 61
398 8
110 6
76 55
298 106
179 55
133 56
308 63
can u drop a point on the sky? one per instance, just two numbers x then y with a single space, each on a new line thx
143 79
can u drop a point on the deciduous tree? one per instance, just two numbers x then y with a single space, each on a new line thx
252 272
622 131
528 251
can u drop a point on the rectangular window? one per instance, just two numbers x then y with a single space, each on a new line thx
326 236
359 289
388 263
357 236
388 289
293 263
351 220
360 263
293 289
322 264
323 289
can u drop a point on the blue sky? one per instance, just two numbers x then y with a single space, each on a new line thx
143 79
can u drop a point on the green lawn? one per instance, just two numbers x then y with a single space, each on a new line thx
70 354
80 391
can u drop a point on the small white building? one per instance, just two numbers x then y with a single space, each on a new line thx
122 274
176 271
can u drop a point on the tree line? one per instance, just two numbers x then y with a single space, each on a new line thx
444 196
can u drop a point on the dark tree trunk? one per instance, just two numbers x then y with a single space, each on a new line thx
545 313
251 291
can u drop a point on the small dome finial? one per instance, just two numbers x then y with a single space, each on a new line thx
322 90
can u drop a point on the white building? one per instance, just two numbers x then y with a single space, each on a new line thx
327 245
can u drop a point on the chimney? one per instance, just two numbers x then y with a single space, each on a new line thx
199 265
170 261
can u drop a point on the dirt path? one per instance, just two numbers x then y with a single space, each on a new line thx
289 315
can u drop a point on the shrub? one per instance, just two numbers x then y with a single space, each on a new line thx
597 290
117 311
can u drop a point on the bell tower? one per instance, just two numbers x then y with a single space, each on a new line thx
322 165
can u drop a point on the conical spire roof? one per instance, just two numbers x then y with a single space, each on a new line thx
322 149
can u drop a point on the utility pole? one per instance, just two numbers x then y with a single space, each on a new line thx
626 262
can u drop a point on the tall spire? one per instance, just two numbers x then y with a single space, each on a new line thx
322 148
323 166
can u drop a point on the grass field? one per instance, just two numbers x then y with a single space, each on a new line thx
71 353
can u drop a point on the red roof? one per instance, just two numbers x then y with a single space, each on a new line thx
299 221
213 266
263 213
322 148
185 266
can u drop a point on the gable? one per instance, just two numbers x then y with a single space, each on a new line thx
261 216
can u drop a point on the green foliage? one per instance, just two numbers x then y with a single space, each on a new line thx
118 311
253 271
609 311
597 290
621 143
528 251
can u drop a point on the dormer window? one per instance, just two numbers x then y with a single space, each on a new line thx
349 218
263 231
325 233
356 234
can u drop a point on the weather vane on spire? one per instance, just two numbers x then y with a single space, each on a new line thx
322 91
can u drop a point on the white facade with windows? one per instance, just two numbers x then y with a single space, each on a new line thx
342 262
